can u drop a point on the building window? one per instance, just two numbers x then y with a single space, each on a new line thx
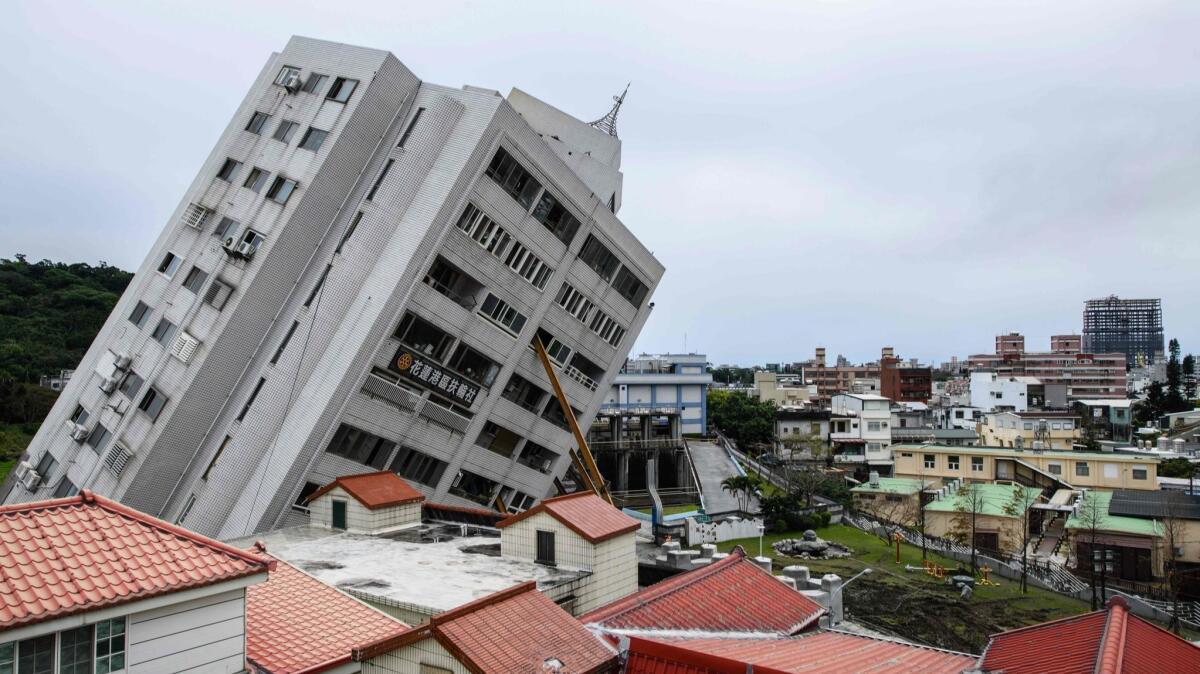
216 455
574 302
218 294
874 425
545 548
513 178
229 170
349 231
931 461
609 330
286 73
952 462
226 227
79 416
313 83
170 264
1054 468
163 332
131 383
250 401
497 439
30 656
411 125
152 403
1029 425
597 256
528 266
283 344
285 130
484 231
281 190
317 288
523 392
141 311
187 508
630 287
256 179
257 120
977 464
64 489
424 337
313 138
556 218
499 311
473 487
342 89
195 279
97 439
358 445
1082 469
110 645
473 365
379 181
1139 473
418 467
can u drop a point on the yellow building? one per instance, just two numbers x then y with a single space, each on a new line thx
1055 469
997 510
892 499
1052 430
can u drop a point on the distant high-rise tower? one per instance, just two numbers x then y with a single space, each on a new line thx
1131 327
352 282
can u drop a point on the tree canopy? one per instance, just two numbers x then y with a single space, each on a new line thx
748 420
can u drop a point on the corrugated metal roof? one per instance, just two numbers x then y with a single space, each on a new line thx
1161 503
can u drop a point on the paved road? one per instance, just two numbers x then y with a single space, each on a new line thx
712 466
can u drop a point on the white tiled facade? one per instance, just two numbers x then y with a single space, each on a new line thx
361 519
305 345
613 563
415 659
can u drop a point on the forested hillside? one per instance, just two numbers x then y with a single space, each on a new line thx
49 314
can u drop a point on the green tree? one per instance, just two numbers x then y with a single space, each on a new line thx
748 420
1019 507
1175 401
1179 467
968 503
741 487
1189 378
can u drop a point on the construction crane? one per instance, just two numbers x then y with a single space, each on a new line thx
582 459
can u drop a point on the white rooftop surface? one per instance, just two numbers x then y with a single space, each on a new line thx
438 576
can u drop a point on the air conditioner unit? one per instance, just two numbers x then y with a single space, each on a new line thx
79 433
108 384
546 465
31 480
22 470
123 361
230 243
292 83
246 250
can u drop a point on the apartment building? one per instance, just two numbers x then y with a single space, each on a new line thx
1084 374
1055 469
990 392
785 390
860 429
1132 327
1030 430
354 279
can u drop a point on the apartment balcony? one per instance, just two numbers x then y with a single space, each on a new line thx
575 373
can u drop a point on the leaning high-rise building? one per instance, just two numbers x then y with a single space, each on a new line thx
352 282
1132 327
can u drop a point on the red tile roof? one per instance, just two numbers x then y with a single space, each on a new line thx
729 595
819 652
86 552
514 630
374 490
584 513
296 623
1110 640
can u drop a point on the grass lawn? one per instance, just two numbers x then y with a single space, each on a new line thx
14 438
673 509
912 603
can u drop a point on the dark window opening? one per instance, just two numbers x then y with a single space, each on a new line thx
597 256
342 89
313 83
283 344
281 190
250 401
285 131
411 126
307 490
256 179
418 467
537 457
630 287
349 231
141 311
358 445
379 181
551 213
545 548
424 337
195 279
152 403
474 487
524 393
216 455
229 170
454 283
513 178
498 439
97 440
313 139
474 365
317 288
257 120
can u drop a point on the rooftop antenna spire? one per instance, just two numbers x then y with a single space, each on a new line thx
608 123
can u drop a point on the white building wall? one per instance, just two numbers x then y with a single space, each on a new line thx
202 636
408 660
571 551
614 574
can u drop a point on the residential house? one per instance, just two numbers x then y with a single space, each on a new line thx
1043 469
367 503
860 430
996 508
1030 430
892 499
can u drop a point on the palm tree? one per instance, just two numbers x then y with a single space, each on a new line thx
741 487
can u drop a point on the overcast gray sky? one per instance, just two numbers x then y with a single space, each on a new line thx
846 174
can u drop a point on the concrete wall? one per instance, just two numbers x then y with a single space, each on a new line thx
941 524
910 463
409 660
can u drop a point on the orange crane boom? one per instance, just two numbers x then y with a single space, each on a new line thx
590 472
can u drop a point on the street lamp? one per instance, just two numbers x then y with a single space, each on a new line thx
843 585
761 529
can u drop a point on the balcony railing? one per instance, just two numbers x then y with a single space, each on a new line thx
635 444
575 373
464 301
